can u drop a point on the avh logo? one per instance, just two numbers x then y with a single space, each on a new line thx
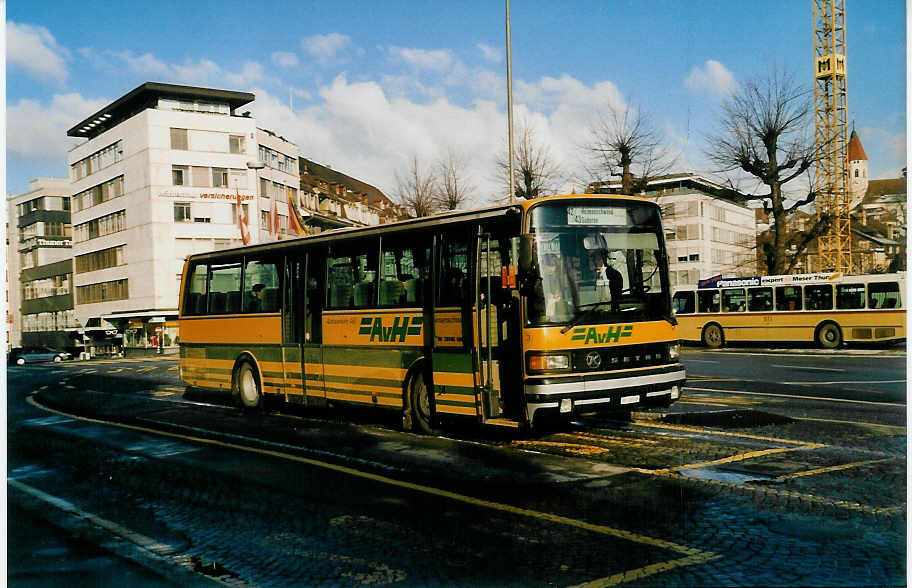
593 335
401 327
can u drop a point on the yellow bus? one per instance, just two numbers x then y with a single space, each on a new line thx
557 306
826 308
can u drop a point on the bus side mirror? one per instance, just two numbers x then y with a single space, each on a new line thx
525 247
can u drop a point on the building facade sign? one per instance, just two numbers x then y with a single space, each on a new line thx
205 196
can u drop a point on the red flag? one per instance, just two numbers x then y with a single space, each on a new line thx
242 221
275 219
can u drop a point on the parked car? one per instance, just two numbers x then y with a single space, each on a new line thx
24 355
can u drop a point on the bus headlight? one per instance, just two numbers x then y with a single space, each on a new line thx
674 350
550 362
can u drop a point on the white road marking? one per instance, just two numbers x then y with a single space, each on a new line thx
843 382
701 361
807 367
822 398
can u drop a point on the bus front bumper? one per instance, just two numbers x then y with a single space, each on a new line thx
582 394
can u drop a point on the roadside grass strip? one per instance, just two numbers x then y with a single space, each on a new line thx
691 555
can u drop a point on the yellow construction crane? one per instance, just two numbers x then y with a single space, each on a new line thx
831 134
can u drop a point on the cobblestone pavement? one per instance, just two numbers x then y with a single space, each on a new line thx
719 493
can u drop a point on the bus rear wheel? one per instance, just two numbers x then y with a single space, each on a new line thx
712 336
247 386
829 336
421 407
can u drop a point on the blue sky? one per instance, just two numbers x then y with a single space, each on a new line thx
374 84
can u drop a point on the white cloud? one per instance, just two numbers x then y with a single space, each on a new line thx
439 60
285 59
712 78
203 72
489 53
33 49
326 49
37 132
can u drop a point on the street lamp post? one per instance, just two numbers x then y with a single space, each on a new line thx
256 166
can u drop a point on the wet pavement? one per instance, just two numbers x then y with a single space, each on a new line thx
717 492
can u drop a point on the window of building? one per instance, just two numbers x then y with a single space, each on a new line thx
98 160
236 143
818 297
179 139
788 298
181 212
219 177
200 176
99 227
102 259
99 194
693 257
180 174
850 296
45 287
102 292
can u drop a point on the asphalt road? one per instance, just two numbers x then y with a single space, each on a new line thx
859 375
770 482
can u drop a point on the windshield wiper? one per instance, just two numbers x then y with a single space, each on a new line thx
588 309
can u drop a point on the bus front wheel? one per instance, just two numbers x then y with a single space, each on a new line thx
421 407
829 336
247 386
712 336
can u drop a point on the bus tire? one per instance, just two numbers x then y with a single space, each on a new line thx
713 336
421 408
247 386
829 336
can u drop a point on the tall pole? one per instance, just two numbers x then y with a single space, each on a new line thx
510 104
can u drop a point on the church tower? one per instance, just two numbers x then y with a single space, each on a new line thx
858 170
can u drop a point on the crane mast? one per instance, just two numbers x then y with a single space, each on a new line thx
831 134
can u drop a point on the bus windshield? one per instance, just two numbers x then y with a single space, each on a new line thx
597 264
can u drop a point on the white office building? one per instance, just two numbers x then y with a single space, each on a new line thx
158 178
709 229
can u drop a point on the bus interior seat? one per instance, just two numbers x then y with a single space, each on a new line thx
889 303
217 302
234 302
363 294
413 291
194 303
340 295
270 300
391 292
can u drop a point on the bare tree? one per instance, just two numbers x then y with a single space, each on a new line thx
765 132
626 143
416 190
453 188
535 174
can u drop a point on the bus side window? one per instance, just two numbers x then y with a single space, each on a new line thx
883 295
733 300
708 300
684 303
195 298
261 286
849 296
223 280
759 299
788 298
818 297
353 275
453 255
403 271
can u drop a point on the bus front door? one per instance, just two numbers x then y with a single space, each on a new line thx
497 329
312 339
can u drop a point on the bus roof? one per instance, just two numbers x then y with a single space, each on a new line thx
421 222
